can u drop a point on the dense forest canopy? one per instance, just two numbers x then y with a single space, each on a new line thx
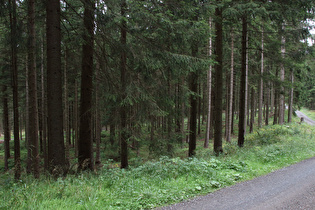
150 73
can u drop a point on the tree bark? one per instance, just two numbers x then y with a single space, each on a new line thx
282 70
261 84
44 110
98 126
217 144
85 147
230 100
209 87
6 127
290 111
76 118
252 110
243 84
267 102
123 81
32 84
27 117
193 86
13 25
276 101
66 108
56 148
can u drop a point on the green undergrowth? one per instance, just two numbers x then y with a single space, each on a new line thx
165 180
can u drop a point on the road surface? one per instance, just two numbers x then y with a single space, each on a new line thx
292 187
288 188
306 119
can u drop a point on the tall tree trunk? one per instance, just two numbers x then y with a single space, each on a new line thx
276 100
32 83
230 100
98 126
281 93
182 111
170 115
27 117
261 84
267 102
217 143
56 148
6 127
44 109
85 157
272 97
76 118
17 156
199 109
243 84
193 86
66 108
209 87
252 110
290 111
123 81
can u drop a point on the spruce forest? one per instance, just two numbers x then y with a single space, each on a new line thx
89 82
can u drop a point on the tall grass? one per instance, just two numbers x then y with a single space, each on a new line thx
165 180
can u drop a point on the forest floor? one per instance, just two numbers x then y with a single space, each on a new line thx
151 183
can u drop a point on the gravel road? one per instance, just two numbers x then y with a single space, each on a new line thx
306 119
292 187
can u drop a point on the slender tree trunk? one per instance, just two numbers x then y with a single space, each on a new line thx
209 87
281 93
76 118
44 110
272 97
193 86
242 106
32 83
66 108
27 117
261 84
290 111
252 111
276 101
112 130
85 157
123 81
217 143
17 158
267 101
56 148
6 127
182 111
170 116
98 126
230 100
193 110
199 109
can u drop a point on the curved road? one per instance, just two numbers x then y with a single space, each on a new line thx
292 187
306 119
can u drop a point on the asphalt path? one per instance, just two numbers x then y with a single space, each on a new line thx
292 187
